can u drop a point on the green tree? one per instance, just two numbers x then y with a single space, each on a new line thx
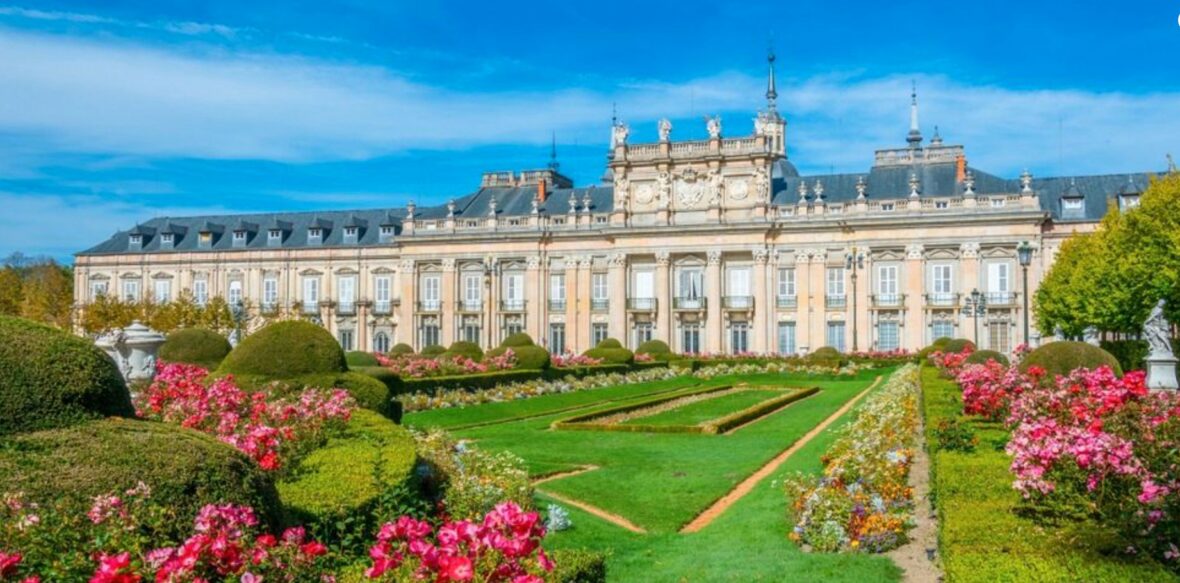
11 292
48 294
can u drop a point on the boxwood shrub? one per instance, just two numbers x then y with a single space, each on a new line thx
200 346
982 356
433 350
465 349
578 566
611 351
50 378
958 345
369 391
185 469
518 339
286 350
401 349
657 349
357 358
1062 357
529 356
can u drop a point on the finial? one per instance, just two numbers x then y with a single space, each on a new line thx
771 89
914 138
1171 164
861 187
819 190
937 139
1026 181
553 165
969 184
802 191
914 184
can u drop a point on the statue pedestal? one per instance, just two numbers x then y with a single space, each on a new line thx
1161 372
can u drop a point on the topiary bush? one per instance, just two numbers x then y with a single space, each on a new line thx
432 351
357 358
958 345
1062 357
578 566
982 356
465 349
185 469
939 345
200 346
50 378
611 351
529 356
401 349
369 390
658 350
518 339
286 350
609 343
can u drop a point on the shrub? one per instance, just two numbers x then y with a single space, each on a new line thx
654 347
1062 357
200 346
370 393
357 358
470 481
465 349
185 468
982 356
612 355
433 351
955 435
1132 354
609 343
286 350
578 566
958 345
401 349
528 357
518 339
338 489
50 378
824 353
939 345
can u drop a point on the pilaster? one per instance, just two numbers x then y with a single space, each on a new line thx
663 328
534 303
969 267
581 339
407 282
449 296
760 327
914 332
713 341
617 284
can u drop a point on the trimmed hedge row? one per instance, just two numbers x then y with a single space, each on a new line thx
357 358
762 409
982 356
474 382
586 420
370 392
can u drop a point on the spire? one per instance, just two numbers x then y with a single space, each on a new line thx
553 165
915 136
771 90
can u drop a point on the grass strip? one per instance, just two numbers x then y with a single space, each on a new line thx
587 420
740 418
697 413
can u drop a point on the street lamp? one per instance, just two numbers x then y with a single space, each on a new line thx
975 306
1024 255
854 261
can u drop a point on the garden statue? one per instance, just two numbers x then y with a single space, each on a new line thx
134 350
1161 361
1090 336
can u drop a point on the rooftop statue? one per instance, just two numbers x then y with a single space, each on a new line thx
713 124
665 129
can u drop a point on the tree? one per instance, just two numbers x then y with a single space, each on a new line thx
11 292
48 294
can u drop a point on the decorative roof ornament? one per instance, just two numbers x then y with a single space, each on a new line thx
492 206
819 190
410 210
451 208
536 203
573 203
586 201
713 126
1026 181
915 184
553 165
802 192
969 184
619 134
665 129
771 90
862 187
914 138
936 141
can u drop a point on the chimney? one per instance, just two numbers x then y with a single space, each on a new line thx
541 190
960 168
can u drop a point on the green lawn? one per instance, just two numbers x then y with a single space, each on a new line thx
702 411
982 538
662 481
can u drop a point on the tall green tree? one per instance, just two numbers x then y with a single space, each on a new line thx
12 293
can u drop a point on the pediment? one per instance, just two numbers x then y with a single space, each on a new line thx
99 277
942 254
310 271
888 255
347 271
383 270
998 252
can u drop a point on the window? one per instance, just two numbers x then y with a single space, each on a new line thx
557 291
600 220
200 292
205 239
598 332
470 330
472 291
428 335
270 292
345 336
836 335
998 203
239 238
999 284
643 332
311 294
690 338
431 292
940 279
382 302
739 285
644 285
556 338
235 292
131 290
998 337
888 337
351 232
167 239
135 240
163 291
786 282
513 291
942 329
97 289
1072 205
315 235
739 337
386 232
513 326
887 207
346 294
1129 201
836 282
786 338
598 288
691 284
941 204
887 285
381 342
274 237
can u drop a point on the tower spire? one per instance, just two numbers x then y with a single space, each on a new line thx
553 165
915 136
771 90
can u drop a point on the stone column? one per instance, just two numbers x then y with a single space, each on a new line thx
406 281
969 280
915 275
617 284
818 316
449 296
580 338
714 340
763 305
534 303
663 328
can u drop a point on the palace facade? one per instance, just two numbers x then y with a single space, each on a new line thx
714 245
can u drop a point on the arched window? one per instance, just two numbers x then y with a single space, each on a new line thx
381 342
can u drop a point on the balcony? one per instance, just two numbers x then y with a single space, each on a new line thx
942 300
688 303
835 302
512 305
471 306
310 307
599 305
737 302
786 302
556 305
996 299
346 308
888 300
641 304
382 307
430 306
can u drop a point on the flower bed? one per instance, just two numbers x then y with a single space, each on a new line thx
573 359
270 428
410 366
863 502
713 370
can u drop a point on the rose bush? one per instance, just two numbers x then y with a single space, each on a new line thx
413 366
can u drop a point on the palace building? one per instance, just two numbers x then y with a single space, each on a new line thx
714 245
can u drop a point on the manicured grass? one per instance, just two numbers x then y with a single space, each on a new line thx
983 538
702 411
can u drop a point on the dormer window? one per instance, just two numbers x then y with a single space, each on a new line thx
386 233
1128 201
167 240
1071 204
350 234
239 238
136 241
274 237
205 239
315 236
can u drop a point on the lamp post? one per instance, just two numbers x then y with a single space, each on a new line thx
1024 254
975 306
854 261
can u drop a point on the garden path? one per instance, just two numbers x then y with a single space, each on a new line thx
746 486
916 565
596 511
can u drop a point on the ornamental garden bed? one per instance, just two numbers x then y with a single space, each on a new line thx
710 410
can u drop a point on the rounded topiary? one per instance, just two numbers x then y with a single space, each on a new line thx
609 343
285 350
654 347
357 358
957 345
940 342
433 350
612 355
469 350
824 353
518 339
1061 358
200 346
401 349
50 378
185 469
982 356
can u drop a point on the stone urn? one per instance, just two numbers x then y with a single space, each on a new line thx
134 350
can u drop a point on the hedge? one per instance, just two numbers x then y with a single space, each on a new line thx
958 345
578 566
50 378
518 339
469 350
185 469
527 357
200 346
479 381
335 489
401 349
762 409
357 358
586 420
1062 357
286 350
982 356
433 350
657 349
611 355
824 353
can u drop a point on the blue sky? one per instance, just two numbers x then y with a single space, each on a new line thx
117 111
